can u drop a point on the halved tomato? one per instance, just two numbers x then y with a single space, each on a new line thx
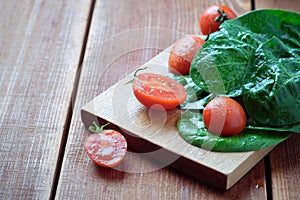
154 89
106 148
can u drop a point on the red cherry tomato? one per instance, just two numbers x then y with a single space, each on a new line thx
106 148
224 116
182 54
213 16
151 89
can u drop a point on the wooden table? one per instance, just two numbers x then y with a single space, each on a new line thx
55 56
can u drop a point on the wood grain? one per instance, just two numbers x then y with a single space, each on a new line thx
284 166
99 71
291 5
285 159
40 47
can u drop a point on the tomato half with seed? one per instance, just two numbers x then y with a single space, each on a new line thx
152 89
182 54
224 116
106 148
213 16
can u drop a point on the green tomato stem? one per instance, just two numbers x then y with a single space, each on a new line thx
135 75
95 128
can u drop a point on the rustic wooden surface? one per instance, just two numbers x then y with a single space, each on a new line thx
291 5
42 46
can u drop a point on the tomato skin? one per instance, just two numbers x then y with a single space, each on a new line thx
207 21
224 116
151 89
182 54
106 149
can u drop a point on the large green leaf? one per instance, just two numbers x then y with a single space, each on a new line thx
271 88
256 56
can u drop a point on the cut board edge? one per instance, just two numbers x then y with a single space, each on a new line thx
200 171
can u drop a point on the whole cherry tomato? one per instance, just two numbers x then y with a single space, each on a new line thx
182 54
213 16
224 116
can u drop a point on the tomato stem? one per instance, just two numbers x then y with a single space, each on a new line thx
94 128
222 17
135 75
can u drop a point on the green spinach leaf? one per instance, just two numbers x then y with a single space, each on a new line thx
256 56
192 129
196 97
271 88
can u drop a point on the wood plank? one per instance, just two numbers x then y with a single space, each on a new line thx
285 165
116 48
40 47
284 160
291 5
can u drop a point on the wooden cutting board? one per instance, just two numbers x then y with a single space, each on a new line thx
155 131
